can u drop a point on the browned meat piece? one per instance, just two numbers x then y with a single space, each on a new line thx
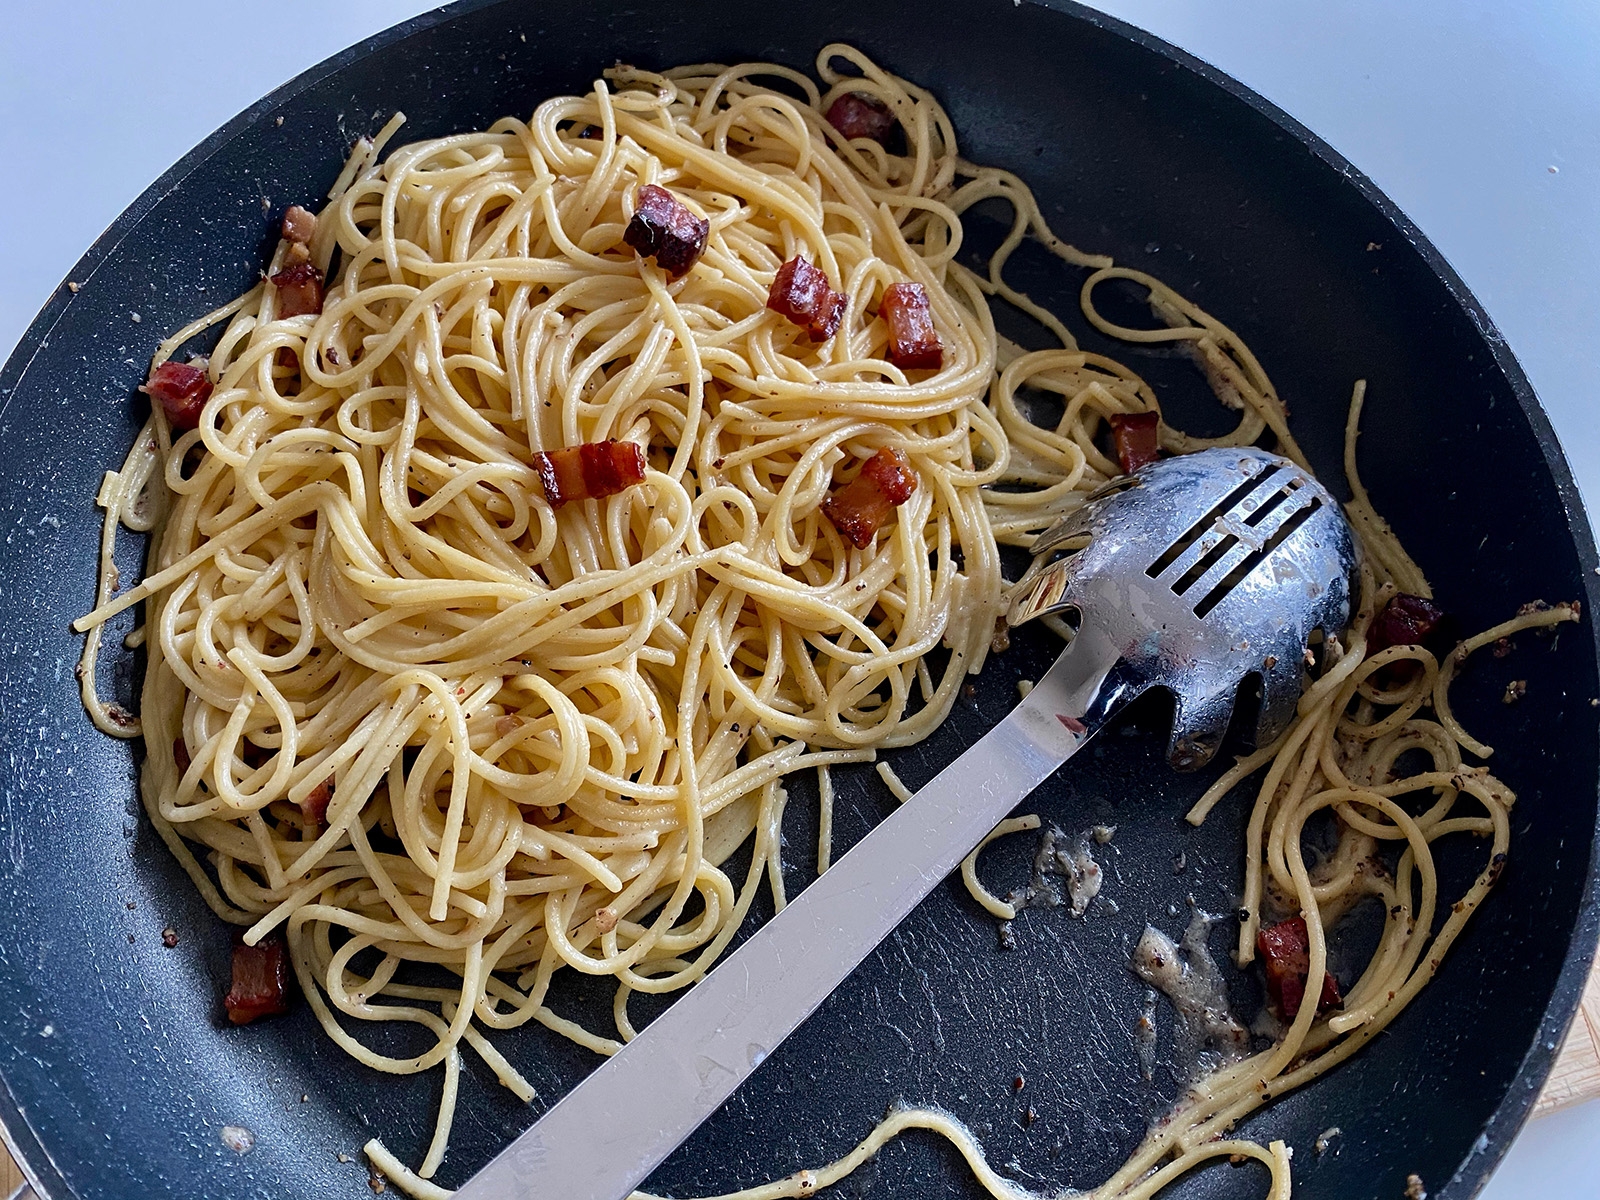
299 225
664 229
860 507
260 979
299 289
859 115
913 342
181 389
1134 436
591 471
1286 957
801 293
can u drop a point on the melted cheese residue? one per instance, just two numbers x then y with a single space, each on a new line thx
1209 1036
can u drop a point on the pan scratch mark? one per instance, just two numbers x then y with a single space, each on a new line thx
15 848
14 845
927 992
933 1007
883 1020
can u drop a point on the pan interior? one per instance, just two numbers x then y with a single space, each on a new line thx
119 1068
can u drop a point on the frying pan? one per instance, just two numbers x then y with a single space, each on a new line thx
118 1067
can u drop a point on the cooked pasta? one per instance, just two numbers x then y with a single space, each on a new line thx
405 706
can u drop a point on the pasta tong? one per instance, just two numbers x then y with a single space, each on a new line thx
1194 574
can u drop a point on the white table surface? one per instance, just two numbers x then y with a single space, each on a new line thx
1480 118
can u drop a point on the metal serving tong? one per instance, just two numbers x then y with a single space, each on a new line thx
1194 574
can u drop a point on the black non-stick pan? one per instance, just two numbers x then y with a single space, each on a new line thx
118 1067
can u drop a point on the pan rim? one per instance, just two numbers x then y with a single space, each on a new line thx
1516 1105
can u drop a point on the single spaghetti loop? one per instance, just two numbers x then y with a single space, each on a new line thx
546 730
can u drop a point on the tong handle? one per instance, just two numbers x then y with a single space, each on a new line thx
604 1137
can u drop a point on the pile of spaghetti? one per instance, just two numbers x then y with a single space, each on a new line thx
404 709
